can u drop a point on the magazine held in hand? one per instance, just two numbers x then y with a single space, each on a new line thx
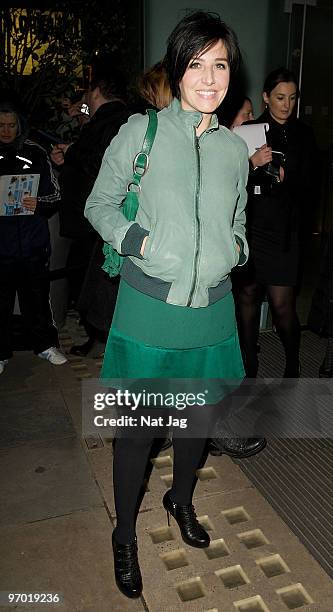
13 188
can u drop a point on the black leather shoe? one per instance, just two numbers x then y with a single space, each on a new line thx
127 569
239 448
81 350
190 528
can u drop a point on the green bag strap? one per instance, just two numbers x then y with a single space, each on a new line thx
141 160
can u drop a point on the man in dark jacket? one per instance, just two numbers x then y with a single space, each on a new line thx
25 241
79 164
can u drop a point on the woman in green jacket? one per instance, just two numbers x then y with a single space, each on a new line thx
175 313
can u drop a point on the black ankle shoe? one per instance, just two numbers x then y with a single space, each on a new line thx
81 350
238 448
126 568
190 529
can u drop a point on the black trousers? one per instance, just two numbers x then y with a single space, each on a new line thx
29 278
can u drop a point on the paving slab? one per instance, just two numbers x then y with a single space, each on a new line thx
253 562
218 474
250 558
58 517
30 415
72 396
45 479
71 555
27 371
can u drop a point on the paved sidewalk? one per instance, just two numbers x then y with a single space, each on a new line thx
57 516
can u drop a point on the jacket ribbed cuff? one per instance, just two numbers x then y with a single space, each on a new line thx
132 242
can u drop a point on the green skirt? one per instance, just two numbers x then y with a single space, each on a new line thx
152 339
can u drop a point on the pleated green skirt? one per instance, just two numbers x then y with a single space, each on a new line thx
152 339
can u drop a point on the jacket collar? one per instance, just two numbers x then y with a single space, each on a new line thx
192 118
266 117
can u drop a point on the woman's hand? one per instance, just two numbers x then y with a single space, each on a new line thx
262 156
142 250
29 203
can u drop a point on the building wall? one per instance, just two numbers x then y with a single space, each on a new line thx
251 20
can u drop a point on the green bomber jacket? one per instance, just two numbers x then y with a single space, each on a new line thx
192 207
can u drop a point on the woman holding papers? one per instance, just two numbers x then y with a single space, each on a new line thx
278 187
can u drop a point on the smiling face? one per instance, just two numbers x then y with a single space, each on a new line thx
281 101
8 127
205 82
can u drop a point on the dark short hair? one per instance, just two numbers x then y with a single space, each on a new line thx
195 33
280 75
106 75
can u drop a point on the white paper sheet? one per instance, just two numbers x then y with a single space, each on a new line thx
253 134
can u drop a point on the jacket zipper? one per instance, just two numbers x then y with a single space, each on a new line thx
197 220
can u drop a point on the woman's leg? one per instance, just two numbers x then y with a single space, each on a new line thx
187 455
34 300
129 465
282 301
8 278
248 299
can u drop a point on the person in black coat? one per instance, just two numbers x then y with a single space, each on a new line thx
280 179
25 242
91 290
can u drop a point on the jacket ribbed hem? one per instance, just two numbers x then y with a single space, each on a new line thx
159 289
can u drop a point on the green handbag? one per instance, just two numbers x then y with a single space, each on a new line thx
113 261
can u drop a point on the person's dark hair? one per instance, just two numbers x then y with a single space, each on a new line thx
108 78
194 34
280 75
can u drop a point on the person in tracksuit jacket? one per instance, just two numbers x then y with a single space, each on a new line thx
25 243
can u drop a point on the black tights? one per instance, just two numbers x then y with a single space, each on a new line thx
282 301
129 466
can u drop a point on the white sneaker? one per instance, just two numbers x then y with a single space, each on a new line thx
3 363
53 355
